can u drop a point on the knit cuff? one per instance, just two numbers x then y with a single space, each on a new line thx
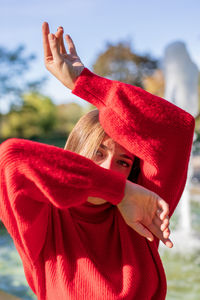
92 88
108 184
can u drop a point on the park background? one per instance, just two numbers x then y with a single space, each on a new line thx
123 40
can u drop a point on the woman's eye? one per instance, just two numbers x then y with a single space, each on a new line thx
99 154
124 163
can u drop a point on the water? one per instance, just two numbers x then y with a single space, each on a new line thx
182 264
12 278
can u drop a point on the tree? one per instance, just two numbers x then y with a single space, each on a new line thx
119 62
14 65
67 115
155 83
35 117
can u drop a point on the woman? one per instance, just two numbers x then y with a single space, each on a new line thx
82 229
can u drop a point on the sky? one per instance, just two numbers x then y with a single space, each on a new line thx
150 25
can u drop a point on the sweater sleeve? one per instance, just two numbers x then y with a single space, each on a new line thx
155 130
34 177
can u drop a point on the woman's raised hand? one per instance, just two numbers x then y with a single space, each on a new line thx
146 213
66 67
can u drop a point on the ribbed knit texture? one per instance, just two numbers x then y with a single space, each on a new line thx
72 249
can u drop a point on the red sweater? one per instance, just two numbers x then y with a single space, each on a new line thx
72 249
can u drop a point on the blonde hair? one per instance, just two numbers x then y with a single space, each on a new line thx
87 135
86 138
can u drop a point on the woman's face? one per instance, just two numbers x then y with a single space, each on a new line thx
113 156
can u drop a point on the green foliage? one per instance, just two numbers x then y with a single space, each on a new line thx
67 115
31 115
119 62
36 117
39 117
14 65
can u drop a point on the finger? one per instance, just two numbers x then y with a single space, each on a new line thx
162 225
163 236
166 233
155 229
53 42
157 221
139 228
58 35
62 45
71 46
46 46
164 207
167 242
165 224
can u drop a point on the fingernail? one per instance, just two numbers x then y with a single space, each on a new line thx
163 227
169 244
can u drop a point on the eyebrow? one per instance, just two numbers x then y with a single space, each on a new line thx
127 156
122 155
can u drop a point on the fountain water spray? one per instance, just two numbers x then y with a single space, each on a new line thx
181 88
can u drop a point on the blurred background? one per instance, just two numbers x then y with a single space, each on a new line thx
152 44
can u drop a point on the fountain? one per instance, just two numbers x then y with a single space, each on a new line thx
181 79
182 262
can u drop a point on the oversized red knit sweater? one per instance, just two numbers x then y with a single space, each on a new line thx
72 249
